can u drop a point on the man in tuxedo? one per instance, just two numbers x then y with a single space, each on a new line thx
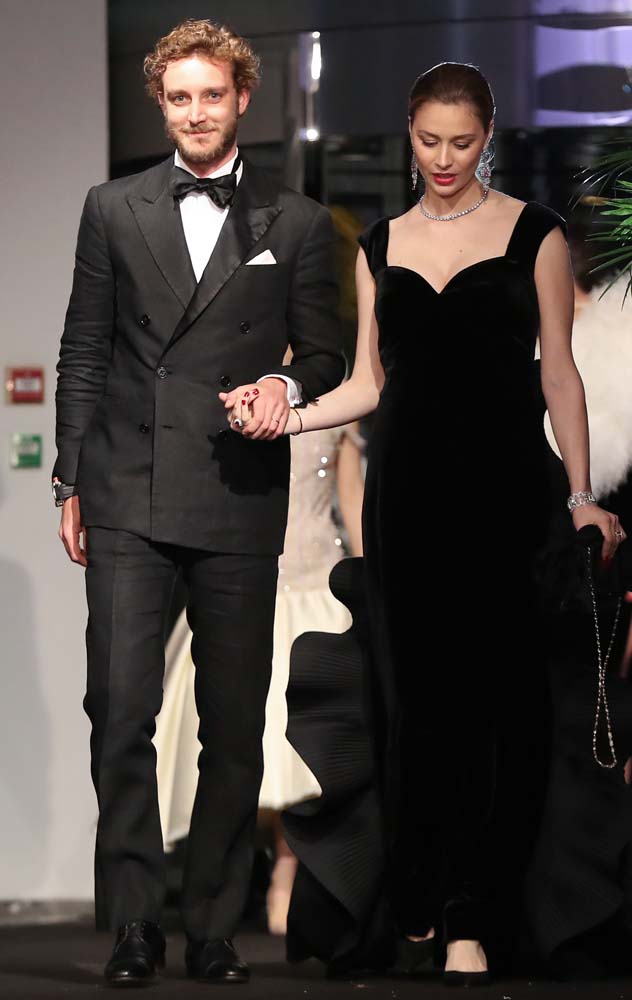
191 278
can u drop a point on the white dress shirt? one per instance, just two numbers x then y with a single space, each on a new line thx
202 221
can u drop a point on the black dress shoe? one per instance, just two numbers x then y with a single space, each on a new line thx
215 962
138 950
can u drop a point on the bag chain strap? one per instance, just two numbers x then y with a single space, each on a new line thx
602 665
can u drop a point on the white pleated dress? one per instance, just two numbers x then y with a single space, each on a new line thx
304 604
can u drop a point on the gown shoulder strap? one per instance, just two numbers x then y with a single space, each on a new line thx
534 223
374 242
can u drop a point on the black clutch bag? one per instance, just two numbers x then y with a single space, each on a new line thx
570 572
574 581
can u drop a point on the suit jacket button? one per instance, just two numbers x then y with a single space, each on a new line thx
225 381
162 372
144 320
245 326
144 428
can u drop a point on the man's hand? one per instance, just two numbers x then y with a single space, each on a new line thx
71 529
259 411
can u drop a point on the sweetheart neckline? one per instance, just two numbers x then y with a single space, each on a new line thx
477 263
469 267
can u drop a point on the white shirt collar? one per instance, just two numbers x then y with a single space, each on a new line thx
226 169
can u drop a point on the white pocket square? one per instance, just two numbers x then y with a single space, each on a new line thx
266 257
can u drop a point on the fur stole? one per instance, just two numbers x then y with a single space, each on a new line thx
602 346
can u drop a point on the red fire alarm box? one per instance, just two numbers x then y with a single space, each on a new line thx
25 385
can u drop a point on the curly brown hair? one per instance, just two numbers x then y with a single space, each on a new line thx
207 39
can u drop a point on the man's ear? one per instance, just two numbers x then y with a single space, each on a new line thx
243 100
161 101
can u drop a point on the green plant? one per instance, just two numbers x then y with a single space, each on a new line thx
608 174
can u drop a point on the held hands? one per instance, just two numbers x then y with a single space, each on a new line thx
71 529
259 411
608 524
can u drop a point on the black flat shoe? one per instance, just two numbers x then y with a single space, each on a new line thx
466 979
139 950
215 962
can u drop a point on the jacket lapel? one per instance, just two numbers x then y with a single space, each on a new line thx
250 215
158 218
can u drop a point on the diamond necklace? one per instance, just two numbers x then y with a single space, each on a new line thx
454 215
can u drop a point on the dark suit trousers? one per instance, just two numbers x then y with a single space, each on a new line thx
129 583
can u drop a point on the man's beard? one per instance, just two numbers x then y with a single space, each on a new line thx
204 157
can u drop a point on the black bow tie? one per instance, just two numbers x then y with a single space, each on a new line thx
221 190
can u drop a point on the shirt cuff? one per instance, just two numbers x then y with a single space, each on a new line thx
294 388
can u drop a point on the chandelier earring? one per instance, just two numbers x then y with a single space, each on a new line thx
485 165
414 172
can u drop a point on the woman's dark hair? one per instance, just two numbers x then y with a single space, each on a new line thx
454 83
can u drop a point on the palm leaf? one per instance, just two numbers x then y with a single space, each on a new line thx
608 170
609 186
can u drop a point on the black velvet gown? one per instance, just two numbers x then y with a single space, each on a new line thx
455 506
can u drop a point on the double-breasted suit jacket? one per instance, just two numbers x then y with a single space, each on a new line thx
146 350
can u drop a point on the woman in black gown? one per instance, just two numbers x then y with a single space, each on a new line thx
451 297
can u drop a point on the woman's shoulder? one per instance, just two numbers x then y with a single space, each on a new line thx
527 222
528 212
505 203
530 223
405 217
374 241
541 218
374 228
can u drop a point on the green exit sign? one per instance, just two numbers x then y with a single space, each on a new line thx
26 451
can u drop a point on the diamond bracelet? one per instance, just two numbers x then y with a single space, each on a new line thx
579 499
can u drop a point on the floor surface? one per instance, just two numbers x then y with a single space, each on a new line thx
47 962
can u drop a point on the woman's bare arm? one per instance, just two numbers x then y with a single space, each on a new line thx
359 395
561 382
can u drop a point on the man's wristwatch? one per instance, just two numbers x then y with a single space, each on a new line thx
61 492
